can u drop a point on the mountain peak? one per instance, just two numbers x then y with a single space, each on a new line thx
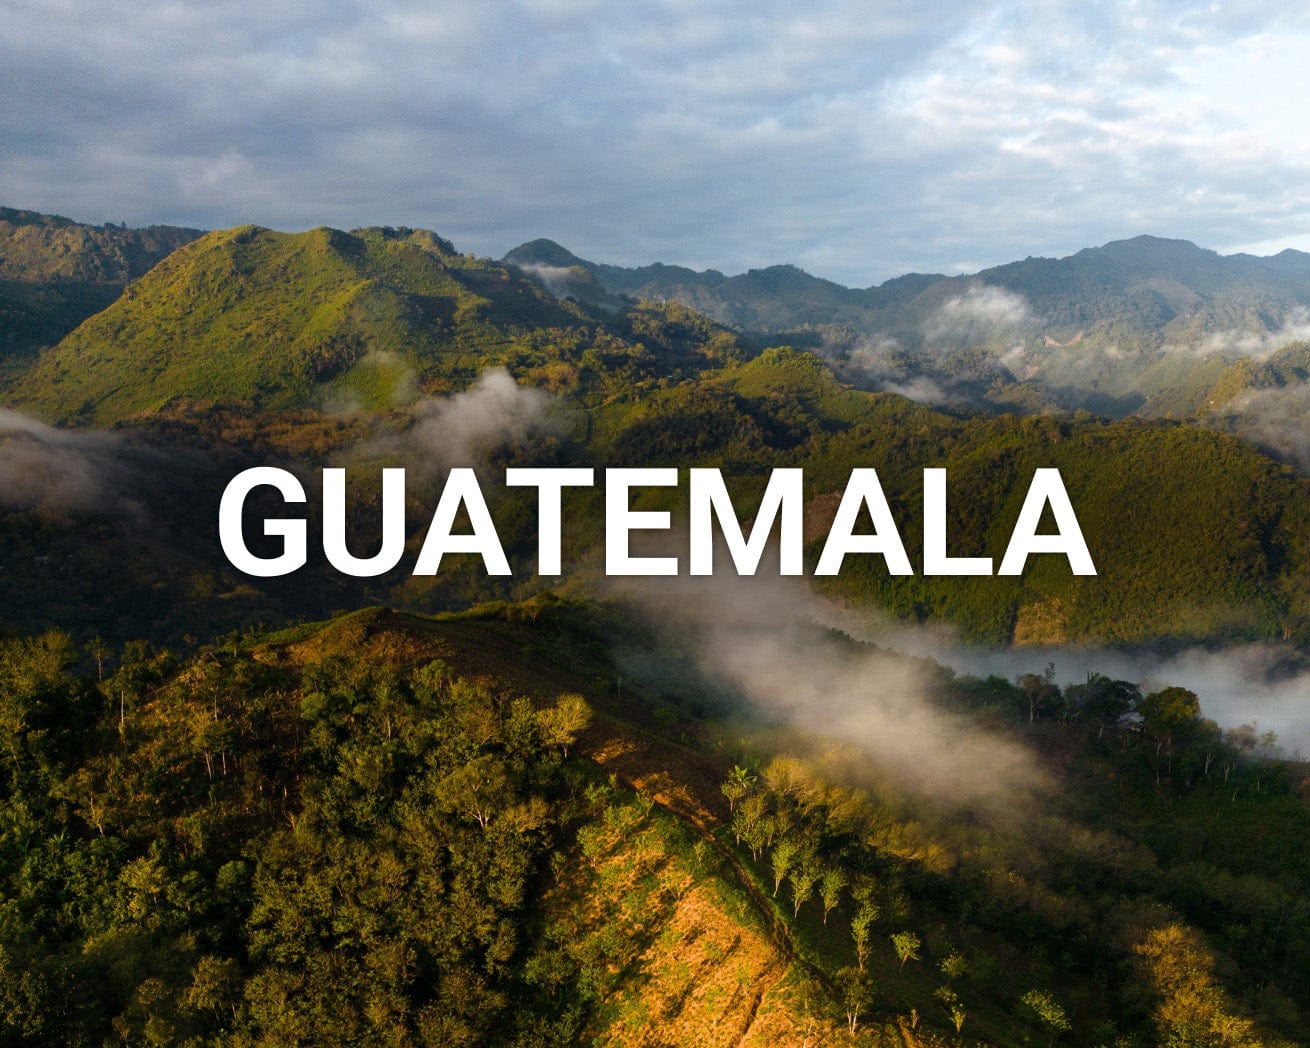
1147 250
543 252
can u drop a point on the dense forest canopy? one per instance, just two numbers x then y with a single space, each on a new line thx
347 833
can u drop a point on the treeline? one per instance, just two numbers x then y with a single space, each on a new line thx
1158 900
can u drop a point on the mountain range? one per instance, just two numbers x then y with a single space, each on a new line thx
380 346
473 810
1170 286
54 272
1146 325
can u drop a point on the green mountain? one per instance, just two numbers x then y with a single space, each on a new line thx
250 346
54 272
369 319
1144 325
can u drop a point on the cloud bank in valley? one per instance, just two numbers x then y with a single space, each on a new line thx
981 313
764 638
1276 418
460 430
759 637
555 279
51 470
1264 682
881 364
1295 327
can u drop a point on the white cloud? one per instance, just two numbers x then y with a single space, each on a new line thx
979 314
1276 418
859 140
1259 344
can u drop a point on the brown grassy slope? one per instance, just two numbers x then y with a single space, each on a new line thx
704 960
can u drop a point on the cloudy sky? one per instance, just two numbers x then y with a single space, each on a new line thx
858 140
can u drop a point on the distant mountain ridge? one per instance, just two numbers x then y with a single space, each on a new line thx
1146 325
1120 267
762 300
54 272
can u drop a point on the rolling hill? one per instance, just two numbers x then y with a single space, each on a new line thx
369 319
1194 532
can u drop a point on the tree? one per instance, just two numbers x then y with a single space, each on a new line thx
32 684
1102 700
866 914
215 986
740 781
954 1007
562 723
1251 743
803 877
211 734
831 884
476 790
1168 715
906 945
784 854
1043 1010
748 824
1193 1009
954 966
856 992
1040 692
1204 745
100 653
1165 711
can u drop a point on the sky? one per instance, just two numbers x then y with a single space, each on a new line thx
857 140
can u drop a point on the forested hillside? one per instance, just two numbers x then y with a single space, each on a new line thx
469 830
1183 521
363 320
526 811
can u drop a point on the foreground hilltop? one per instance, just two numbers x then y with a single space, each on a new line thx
482 830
